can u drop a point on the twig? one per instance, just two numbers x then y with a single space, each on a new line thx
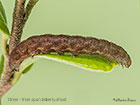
20 17
28 9
17 25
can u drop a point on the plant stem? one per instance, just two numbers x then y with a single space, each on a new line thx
19 19
5 85
7 73
17 25
29 8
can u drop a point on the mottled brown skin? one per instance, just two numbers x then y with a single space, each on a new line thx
64 43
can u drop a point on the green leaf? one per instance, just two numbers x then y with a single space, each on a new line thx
28 68
1 65
4 29
2 12
3 22
1 18
88 62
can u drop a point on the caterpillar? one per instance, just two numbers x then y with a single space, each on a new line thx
47 43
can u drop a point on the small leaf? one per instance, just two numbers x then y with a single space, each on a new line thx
4 29
3 22
1 65
1 18
2 12
28 68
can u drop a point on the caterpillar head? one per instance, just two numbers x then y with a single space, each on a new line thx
128 62
125 60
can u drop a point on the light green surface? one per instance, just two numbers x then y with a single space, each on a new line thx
88 62
84 61
115 20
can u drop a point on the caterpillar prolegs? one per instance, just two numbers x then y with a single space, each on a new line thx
47 43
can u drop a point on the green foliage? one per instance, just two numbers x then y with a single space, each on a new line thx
2 11
4 28
1 65
89 62
28 68
3 22
5 33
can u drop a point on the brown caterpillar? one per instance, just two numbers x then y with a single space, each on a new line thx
64 43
